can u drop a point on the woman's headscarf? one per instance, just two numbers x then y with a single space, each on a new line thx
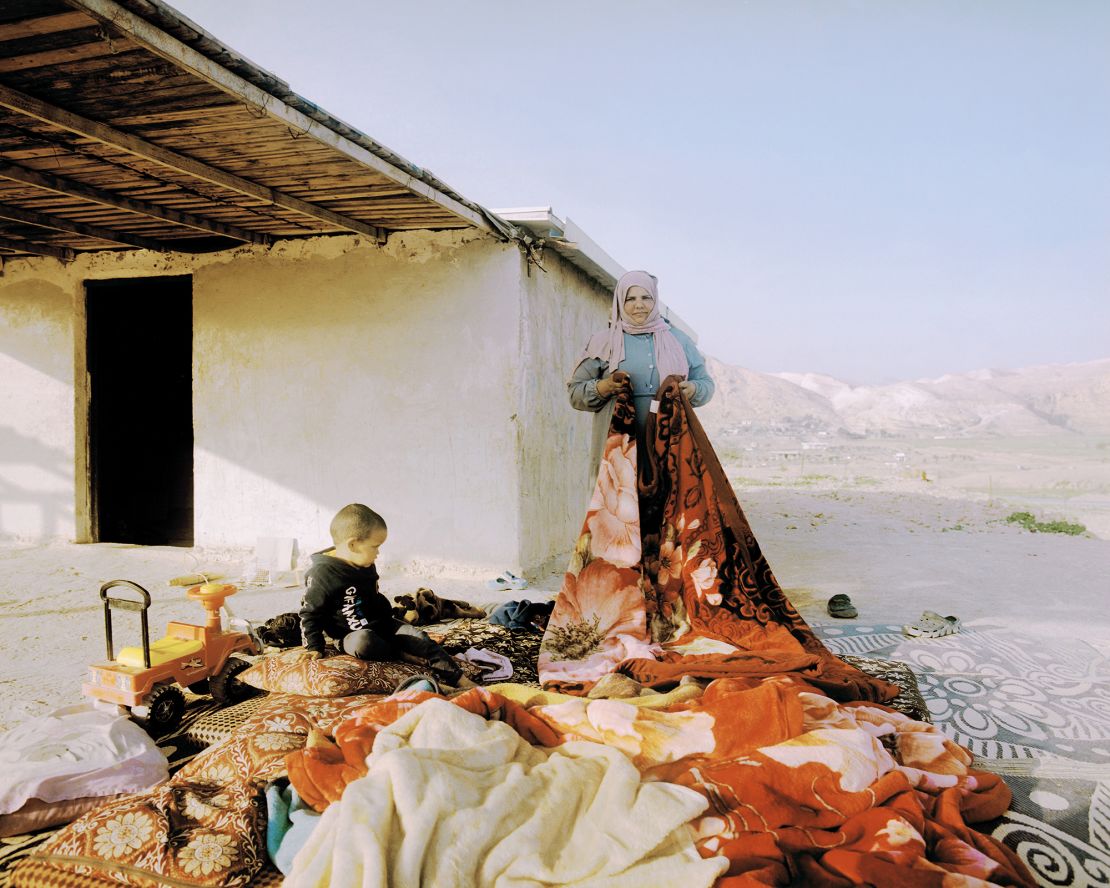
670 356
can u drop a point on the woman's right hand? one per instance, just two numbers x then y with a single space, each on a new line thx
609 385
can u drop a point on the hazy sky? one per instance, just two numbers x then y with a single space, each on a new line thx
872 189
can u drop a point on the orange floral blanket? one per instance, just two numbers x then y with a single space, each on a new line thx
667 578
803 790
798 789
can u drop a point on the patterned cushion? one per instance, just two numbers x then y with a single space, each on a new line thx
909 701
219 840
254 758
339 676
295 714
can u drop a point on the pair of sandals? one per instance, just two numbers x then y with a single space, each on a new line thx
506 581
932 625
929 625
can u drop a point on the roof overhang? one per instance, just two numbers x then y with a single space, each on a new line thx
124 125
574 245
566 239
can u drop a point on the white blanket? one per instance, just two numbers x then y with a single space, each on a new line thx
74 752
453 800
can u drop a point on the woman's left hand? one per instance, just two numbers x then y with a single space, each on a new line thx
688 389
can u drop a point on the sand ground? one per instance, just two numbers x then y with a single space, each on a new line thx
895 553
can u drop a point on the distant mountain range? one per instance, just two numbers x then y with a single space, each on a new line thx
1043 400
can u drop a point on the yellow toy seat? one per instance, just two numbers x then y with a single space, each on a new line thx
161 651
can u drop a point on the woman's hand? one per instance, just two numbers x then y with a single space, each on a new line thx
609 385
688 389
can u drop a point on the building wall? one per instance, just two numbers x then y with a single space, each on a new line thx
37 468
559 312
325 371
380 376
425 378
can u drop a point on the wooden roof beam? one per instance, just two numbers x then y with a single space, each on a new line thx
101 132
160 43
143 208
43 24
64 254
45 220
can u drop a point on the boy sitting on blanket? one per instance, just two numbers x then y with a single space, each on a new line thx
342 600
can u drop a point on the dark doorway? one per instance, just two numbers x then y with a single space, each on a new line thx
140 362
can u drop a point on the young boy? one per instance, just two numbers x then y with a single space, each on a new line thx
342 600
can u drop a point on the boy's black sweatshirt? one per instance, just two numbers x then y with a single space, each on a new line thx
341 598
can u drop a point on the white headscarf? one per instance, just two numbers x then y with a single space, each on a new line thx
608 345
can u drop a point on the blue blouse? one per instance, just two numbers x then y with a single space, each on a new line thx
639 363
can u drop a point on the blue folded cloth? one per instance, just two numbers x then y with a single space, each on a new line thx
289 823
523 615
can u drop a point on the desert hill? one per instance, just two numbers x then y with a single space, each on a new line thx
1041 400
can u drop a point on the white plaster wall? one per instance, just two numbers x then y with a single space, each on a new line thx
36 403
326 371
560 310
425 378
326 374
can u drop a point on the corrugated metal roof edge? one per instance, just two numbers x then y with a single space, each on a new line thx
177 25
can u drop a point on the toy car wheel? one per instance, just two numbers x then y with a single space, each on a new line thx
225 687
162 711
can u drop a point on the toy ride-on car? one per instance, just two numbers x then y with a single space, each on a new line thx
148 679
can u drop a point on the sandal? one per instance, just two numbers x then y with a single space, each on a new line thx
418 683
932 625
507 580
840 605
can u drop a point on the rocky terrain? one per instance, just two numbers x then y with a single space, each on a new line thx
1044 400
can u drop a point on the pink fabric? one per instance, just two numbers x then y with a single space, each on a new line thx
609 345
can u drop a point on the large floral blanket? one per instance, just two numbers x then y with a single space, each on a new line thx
667 578
796 789
803 790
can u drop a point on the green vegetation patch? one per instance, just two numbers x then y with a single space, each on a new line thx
1030 523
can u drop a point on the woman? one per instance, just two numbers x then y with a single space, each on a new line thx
667 579
643 345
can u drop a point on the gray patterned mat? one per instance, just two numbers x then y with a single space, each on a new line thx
1034 710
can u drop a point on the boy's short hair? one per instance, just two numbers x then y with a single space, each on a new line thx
355 522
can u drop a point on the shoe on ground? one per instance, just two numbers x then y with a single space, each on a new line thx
841 606
507 580
932 625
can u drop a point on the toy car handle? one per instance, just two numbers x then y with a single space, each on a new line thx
125 601
126 604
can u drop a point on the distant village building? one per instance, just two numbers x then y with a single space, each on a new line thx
225 313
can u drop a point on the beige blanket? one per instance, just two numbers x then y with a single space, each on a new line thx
452 799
